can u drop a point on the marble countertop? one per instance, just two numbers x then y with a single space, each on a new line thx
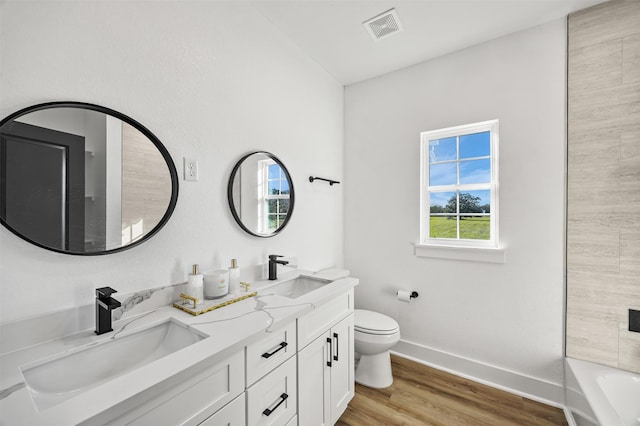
229 330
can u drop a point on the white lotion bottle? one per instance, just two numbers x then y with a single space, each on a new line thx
234 278
195 284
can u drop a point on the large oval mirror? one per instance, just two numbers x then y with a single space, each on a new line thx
83 179
260 194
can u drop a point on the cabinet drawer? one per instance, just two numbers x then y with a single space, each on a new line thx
273 399
190 400
316 322
231 415
271 351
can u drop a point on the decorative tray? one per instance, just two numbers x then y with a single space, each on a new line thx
196 307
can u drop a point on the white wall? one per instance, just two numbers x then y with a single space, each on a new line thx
510 315
212 81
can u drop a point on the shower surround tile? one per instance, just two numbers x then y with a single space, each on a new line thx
603 183
631 59
606 21
629 354
596 66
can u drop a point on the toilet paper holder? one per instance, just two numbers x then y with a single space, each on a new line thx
413 295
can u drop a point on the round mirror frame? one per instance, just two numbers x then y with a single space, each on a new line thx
232 205
146 132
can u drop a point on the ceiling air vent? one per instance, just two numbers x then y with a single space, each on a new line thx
383 25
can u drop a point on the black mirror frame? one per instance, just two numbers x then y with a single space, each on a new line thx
156 142
232 205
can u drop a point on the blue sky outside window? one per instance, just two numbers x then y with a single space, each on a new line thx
475 171
468 151
442 174
274 187
278 183
442 150
275 172
475 145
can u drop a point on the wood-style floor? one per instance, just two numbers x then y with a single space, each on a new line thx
422 395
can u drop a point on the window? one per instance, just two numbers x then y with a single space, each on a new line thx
275 196
459 189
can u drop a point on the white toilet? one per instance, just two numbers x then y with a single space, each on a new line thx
374 334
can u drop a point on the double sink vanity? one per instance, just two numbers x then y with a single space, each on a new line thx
283 357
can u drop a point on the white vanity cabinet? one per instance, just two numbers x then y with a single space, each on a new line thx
302 373
323 317
269 352
233 414
342 367
189 399
220 394
326 364
272 378
272 360
273 399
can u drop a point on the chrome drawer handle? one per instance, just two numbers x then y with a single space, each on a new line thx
283 398
270 354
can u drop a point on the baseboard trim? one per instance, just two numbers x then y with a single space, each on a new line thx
518 384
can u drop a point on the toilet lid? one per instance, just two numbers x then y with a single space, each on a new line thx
374 322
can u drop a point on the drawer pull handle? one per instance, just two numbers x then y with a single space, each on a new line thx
270 354
335 336
330 342
267 412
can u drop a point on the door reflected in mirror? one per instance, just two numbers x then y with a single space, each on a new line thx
261 194
82 179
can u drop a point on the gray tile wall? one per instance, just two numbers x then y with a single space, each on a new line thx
603 229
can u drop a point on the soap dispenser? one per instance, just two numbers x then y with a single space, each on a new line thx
234 278
195 286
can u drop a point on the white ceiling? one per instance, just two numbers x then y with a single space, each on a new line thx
331 31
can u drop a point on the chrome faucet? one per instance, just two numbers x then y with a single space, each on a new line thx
104 305
273 266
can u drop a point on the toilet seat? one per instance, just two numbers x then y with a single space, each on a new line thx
370 322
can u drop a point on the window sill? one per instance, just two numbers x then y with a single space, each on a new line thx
473 254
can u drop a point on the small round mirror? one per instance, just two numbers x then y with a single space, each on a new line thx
260 194
82 179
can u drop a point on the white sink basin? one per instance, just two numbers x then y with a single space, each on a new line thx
298 286
54 380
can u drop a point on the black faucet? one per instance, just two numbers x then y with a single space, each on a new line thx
104 305
273 265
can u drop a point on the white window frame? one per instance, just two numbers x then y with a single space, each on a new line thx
426 243
266 196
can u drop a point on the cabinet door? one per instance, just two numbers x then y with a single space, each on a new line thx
314 383
231 415
342 372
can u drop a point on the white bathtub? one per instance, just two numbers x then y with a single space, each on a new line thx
612 395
